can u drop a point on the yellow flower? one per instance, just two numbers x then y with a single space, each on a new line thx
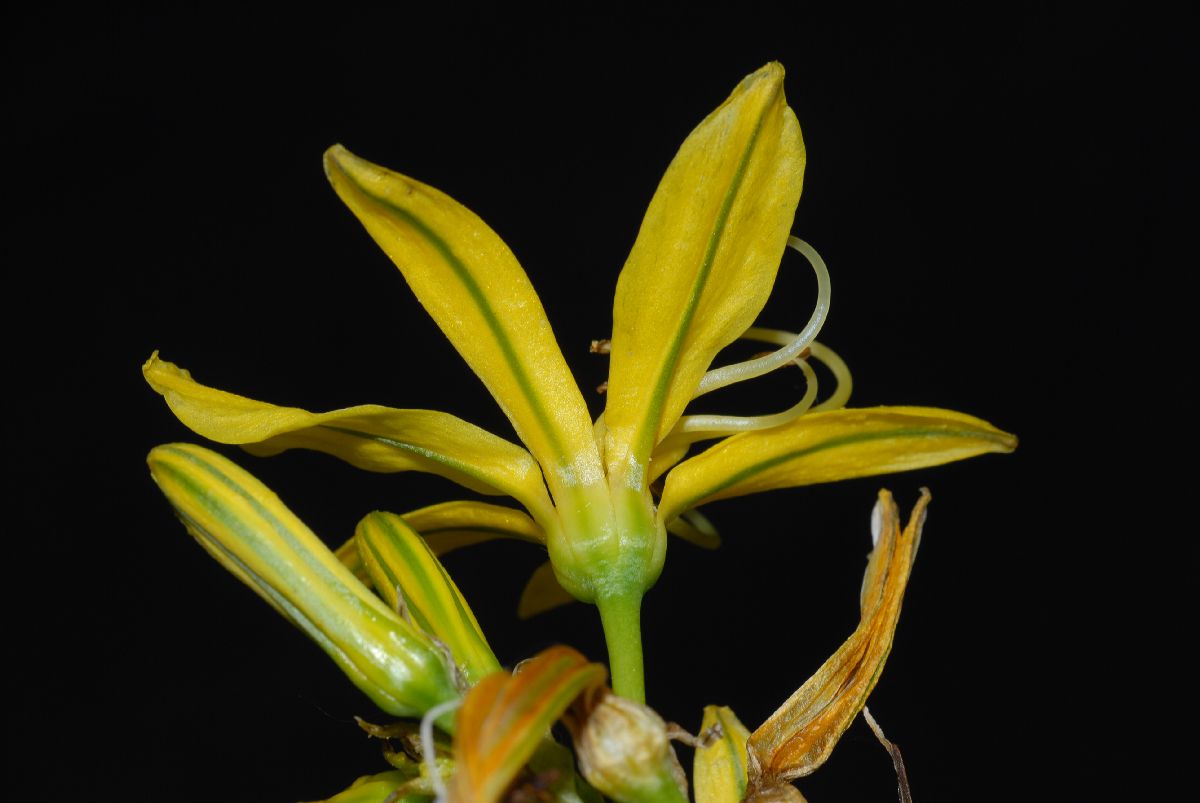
700 271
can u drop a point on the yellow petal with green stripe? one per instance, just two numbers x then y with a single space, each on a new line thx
248 529
453 525
505 718
370 436
667 454
405 572
829 446
720 765
703 264
799 737
471 284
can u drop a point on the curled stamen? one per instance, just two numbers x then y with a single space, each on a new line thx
429 751
738 372
841 375
713 426
818 351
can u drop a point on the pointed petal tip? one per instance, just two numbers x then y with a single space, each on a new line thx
1003 442
772 69
334 157
334 152
340 164
772 73
153 364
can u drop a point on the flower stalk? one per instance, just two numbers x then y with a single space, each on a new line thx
621 617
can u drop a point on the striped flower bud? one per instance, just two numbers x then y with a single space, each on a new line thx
245 526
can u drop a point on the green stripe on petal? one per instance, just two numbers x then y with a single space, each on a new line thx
247 528
720 766
405 572
471 284
826 447
703 264
369 436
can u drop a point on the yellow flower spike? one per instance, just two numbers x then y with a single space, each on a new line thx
471 284
505 718
370 436
719 768
703 264
700 271
241 523
799 737
406 574
829 446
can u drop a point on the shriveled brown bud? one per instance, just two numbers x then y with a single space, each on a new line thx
624 751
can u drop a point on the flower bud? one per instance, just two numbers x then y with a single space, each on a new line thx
242 524
624 751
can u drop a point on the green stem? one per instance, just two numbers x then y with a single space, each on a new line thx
621 616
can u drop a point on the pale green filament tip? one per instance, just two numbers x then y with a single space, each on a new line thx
739 372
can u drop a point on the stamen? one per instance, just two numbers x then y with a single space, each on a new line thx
714 426
429 751
841 375
738 372
818 351
676 733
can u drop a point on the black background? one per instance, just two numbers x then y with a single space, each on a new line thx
984 190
